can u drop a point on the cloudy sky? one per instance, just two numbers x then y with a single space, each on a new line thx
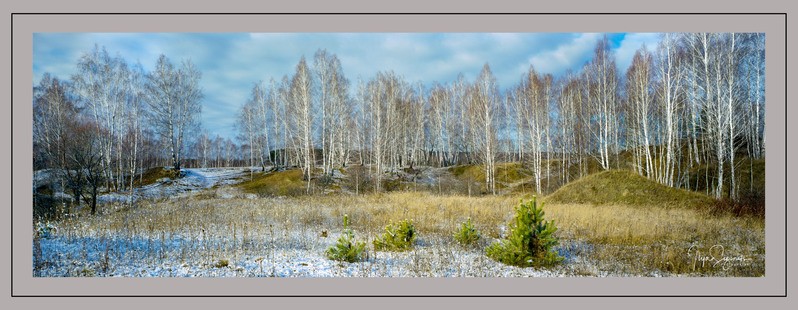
232 62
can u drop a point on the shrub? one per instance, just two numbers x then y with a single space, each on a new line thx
397 237
358 179
346 249
748 204
221 263
467 235
531 239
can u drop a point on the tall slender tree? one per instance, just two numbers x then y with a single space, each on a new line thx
174 97
301 115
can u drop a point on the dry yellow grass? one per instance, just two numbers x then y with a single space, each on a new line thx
637 240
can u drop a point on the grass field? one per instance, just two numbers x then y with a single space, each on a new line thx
287 236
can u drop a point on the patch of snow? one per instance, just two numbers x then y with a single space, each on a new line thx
193 181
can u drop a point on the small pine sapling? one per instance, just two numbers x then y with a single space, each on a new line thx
397 237
467 235
531 239
346 249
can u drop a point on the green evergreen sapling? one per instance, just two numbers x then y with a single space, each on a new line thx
531 240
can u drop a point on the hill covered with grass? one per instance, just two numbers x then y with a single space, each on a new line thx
617 187
282 183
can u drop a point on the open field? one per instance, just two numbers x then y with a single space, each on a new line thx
223 231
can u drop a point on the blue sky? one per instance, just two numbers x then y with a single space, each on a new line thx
232 62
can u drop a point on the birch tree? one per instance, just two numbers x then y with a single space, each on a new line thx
300 109
439 116
669 76
54 116
248 128
602 89
484 102
640 105
174 96
100 84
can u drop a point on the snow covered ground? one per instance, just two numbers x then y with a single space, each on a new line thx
193 181
293 255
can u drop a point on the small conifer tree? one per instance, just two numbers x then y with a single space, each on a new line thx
346 249
531 239
397 237
467 235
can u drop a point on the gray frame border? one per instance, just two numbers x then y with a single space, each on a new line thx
631 286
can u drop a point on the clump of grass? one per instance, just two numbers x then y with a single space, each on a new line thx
45 230
616 187
531 240
467 235
346 249
397 237
281 183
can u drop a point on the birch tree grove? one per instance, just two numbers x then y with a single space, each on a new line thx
688 112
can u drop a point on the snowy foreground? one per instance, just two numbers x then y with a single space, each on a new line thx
177 257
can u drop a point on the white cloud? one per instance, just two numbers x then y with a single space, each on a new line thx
507 40
565 56
630 44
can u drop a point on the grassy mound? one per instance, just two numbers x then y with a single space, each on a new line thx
616 187
282 183
152 175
